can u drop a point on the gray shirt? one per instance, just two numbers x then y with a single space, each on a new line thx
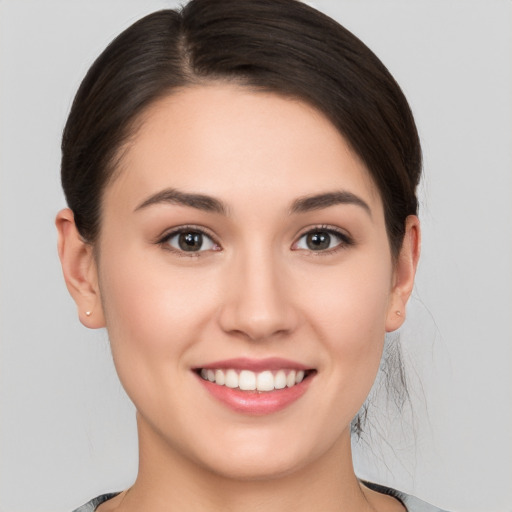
411 503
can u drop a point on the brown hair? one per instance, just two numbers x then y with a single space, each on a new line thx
282 46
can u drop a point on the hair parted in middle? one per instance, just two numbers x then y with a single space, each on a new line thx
279 46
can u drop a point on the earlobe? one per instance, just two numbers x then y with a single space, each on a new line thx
80 271
405 271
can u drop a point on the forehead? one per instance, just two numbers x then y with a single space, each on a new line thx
221 138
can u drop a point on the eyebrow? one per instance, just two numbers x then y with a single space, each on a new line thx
173 196
320 201
210 204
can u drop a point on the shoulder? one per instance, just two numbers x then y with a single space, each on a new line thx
92 505
411 503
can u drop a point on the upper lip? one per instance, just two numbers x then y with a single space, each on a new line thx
256 365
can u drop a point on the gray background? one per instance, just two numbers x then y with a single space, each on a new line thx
67 429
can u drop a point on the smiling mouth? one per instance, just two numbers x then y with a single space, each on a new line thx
247 380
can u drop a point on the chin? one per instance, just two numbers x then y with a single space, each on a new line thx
262 454
262 468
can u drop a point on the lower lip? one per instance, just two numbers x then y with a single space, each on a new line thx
255 402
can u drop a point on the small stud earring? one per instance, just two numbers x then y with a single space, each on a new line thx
88 313
398 312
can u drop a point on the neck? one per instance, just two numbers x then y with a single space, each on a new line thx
168 480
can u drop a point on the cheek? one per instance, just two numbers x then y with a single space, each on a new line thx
153 313
352 300
349 308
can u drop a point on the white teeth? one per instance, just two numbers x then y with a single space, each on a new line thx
280 380
265 381
231 379
247 380
220 378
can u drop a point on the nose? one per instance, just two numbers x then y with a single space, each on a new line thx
258 302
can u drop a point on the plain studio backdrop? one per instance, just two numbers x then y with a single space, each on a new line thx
67 428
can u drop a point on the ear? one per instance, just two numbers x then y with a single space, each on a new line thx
80 270
405 270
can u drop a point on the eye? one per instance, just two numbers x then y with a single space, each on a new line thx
322 239
190 240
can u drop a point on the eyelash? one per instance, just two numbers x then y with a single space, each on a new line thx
164 240
345 240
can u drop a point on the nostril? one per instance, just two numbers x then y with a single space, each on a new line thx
256 308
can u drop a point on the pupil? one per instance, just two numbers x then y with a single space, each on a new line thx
319 240
190 241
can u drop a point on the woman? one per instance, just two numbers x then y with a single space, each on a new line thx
241 184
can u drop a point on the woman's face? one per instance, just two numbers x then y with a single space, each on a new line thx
243 240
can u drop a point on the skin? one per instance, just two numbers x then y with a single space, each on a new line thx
256 291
